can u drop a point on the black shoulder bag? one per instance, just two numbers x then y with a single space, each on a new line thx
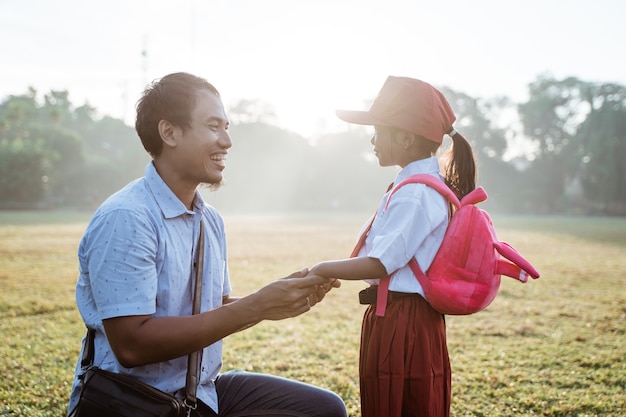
109 394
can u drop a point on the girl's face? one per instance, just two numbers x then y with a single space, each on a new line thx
387 146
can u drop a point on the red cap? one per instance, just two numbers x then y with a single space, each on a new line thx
410 105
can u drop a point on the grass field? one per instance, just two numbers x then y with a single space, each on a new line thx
552 347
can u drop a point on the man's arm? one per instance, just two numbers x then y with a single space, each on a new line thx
140 340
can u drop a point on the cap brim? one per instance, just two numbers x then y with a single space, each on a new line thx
359 117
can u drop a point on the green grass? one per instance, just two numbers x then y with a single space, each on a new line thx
551 347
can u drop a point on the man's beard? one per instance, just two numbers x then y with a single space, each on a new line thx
212 187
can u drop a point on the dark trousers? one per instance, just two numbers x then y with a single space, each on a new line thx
250 394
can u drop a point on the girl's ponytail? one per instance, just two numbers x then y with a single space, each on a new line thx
459 166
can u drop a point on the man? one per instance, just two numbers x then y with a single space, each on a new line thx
136 268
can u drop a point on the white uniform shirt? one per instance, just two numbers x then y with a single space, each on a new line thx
412 226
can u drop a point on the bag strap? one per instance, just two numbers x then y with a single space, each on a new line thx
432 182
448 194
88 350
193 370
192 363
383 285
361 240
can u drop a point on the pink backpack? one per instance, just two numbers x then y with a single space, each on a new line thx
464 277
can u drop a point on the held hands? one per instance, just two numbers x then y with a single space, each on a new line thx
324 288
293 295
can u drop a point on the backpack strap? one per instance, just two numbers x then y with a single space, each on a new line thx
432 182
361 241
443 189
383 286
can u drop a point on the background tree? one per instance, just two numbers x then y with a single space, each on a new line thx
54 155
22 157
478 121
550 119
572 135
602 149
578 130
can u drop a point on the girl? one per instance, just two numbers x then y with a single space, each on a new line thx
404 366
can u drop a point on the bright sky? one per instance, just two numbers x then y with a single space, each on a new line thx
305 57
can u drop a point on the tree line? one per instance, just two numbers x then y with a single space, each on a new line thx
559 152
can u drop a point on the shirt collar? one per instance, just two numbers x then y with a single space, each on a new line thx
170 205
422 166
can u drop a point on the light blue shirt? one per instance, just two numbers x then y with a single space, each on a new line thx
412 226
135 258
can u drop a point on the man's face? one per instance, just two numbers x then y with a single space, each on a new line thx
203 146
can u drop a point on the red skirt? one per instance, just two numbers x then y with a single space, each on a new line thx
404 368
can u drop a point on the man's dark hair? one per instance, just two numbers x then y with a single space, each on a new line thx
170 98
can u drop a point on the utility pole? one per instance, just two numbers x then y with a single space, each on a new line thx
144 61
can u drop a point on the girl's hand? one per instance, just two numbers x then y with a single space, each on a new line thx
322 289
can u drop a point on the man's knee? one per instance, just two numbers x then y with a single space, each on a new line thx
332 406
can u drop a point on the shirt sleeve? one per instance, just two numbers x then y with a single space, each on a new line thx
120 258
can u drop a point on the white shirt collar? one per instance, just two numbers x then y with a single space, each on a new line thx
422 166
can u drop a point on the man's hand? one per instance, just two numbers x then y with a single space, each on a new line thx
292 295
